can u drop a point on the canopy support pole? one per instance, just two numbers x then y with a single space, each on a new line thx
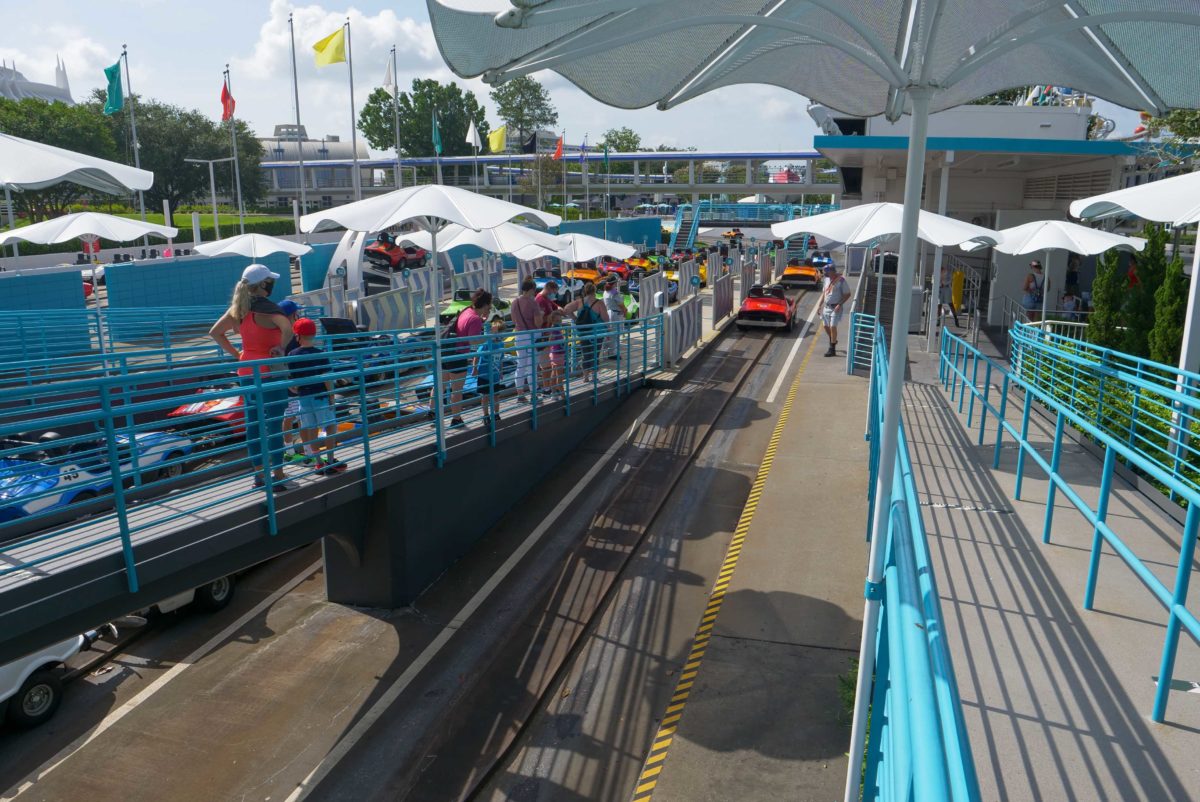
439 384
936 284
12 224
1045 287
1189 354
890 431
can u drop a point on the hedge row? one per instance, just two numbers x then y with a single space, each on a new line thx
207 233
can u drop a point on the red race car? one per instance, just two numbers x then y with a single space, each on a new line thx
384 252
769 308
614 266
87 289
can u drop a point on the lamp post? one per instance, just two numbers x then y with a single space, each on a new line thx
212 186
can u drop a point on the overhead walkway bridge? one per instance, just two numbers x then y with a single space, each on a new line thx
92 526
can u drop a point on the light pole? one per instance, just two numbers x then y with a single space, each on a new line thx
212 186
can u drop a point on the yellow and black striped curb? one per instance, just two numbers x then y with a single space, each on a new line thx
648 779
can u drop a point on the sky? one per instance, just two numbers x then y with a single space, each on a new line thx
178 50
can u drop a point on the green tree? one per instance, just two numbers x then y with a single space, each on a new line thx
72 127
524 104
1140 304
1005 97
1183 123
1166 337
167 135
620 140
455 109
1108 293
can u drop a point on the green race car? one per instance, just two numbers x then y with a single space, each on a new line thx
462 299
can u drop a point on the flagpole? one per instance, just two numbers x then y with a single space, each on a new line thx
607 190
396 115
299 138
237 172
137 158
437 152
587 187
356 179
564 161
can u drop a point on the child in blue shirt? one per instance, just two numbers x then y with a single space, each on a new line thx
316 410
488 358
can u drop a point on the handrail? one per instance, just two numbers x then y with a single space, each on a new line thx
200 433
917 745
1058 372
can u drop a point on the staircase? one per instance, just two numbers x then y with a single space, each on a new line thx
684 235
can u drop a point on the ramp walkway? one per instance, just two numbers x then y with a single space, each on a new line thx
1057 699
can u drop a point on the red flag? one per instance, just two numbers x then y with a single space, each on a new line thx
228 104
558 150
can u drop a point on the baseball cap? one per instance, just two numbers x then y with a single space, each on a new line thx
304 327
827 268
289 307
257 274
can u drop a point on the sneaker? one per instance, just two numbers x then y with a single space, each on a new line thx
332 467
298 459
456 423
495 416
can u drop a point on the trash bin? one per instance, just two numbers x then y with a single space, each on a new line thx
916 303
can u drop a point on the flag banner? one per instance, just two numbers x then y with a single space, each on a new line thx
583 152
473 136
558 150
437 136
331 49
498 139
530 145
228 104
389 80
115 100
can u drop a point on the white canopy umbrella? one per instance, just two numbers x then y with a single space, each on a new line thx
1058 235
32 165
580 248
872 221
504 238
73 226
252 245
433 208
1175 201
883 57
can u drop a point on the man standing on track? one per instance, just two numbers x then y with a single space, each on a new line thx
834 294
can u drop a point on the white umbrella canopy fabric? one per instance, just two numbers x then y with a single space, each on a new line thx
32 165
430 206
73 226
581 248
504 238
1173 200
872 221
1058 235
252 245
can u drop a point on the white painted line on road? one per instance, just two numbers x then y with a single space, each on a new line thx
368 720
783 374
112 718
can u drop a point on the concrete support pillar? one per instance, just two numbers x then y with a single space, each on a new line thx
943 193
692 172
749 172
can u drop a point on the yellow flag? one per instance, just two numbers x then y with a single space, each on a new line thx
497 139
332 48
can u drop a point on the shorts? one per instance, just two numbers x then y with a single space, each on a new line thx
1031 302
557 356
831 317
315 412
293 407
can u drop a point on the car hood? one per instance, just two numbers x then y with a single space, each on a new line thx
20 478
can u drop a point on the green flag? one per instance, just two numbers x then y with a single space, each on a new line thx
437 136
116 100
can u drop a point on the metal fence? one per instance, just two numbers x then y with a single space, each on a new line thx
916 740
103 462
1142 413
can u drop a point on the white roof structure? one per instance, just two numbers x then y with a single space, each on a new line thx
580 248
504 238
252 245
32 165
1055 235
859 58
73 226
1172 200
873 221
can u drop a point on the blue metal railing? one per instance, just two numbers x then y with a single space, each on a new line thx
100 460
1139 411
917 746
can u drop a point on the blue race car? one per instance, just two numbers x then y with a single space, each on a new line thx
568 288
43 475
635 284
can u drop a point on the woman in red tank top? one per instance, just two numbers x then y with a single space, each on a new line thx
264 330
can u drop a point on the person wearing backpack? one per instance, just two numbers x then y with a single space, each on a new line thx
588 311
457 346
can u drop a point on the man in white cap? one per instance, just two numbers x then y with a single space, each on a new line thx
834 294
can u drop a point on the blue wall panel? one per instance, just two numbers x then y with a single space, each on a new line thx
28 336
191 281
315 265
48 289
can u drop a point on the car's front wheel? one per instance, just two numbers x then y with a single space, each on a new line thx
172 471
37 700
216 595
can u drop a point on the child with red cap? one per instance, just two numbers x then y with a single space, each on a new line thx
316 411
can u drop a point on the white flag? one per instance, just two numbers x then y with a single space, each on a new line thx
473 137
389 80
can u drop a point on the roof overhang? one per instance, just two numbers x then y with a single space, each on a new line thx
983 153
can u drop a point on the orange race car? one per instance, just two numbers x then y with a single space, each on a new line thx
801 274
585 271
